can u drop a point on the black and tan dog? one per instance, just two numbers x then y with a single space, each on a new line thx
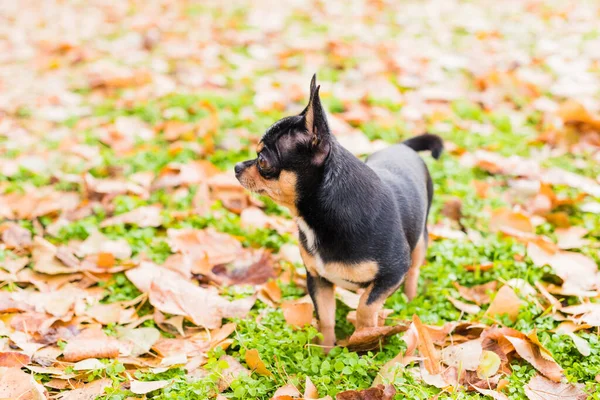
361 224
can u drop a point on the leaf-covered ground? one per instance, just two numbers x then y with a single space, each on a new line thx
133 264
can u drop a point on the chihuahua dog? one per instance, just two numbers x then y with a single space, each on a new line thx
361 224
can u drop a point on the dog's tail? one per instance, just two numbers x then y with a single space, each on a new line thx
426 141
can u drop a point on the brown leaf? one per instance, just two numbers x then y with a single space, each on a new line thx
540 388
478 294
91 343
145 216
366 339
13 359
255 363
297 314
426 347
89 391
380 392
181 297
97 243
511 223
44 257
453 209
250 267
506 302
532 353
16 384
205 248
14 236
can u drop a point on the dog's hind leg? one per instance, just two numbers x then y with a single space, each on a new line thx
412 276
372 299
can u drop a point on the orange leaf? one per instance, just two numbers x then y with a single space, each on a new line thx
297 314
505 302
255 363
105 260
426 347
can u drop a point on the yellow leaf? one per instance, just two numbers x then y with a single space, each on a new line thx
489 363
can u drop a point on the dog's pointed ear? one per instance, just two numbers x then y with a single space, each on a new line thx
313 87
315 120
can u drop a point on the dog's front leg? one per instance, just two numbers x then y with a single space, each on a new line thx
322 295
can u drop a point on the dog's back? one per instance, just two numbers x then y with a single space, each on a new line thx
405 173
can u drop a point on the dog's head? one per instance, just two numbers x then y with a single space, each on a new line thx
290 154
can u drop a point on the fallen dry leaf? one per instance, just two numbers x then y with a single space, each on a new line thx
491 393
380 392
464 307
91 343
13 359
256 363
489 363
142 387
16 384
286 392
532 353
463 356
478 294
426 347
506 302
571 238
540 388
310 390
88 392
371 338
145 216
297 314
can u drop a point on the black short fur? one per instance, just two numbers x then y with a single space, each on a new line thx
359 211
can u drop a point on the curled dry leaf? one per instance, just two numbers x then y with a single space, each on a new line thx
464 307
371 338
380 392
506 302
91 343
540 388
256 363
533 354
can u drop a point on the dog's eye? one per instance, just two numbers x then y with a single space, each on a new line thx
263 164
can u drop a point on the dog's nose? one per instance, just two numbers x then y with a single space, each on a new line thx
239 167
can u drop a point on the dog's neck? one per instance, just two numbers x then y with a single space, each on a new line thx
341 198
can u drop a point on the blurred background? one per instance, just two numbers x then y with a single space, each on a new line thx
388 68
